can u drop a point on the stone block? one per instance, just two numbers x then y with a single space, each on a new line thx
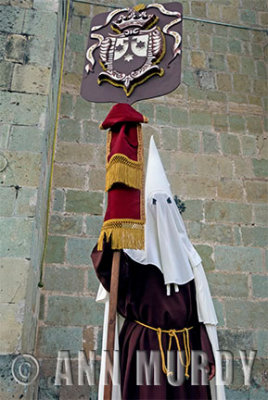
243 168
200 118
82 109
69 311
248 16
205 42
52 339
76 42
210 143
10 389
237 123
235 340
82 10
230 189
7 201
84 202
69 176
230 144
93 225
22 108
16 234
189 141
71 82
169 138
261 214
55 249
66 105
242 259
206 79
79 250
163 116
91 133
233 62
255 236
239 83
15 50
206 253
22 3
13 275
260 87
212 233
6 70
217 62
198 60
220 122
254 124
179 117
65 225
26 201
58 200
194 210
11 19
39 51
67 280
23 169
260 167
219 44
69 130
31 79
199 187
205 164
257 192
198 9
219 309
260 285
262 343
247 66
248 146
11 330
246 314
182 163
97 179
235 46
228 285
77 153
40 23
93 282
188 78
25 138
4 135
224 82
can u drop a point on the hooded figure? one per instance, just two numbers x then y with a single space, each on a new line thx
165 301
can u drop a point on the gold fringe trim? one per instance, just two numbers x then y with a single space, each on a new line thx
122 169
124 234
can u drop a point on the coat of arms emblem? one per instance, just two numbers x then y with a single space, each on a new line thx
130 47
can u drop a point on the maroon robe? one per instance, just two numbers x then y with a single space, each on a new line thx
142 296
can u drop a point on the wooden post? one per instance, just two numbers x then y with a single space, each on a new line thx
112 319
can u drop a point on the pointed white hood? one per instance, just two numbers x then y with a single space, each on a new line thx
167 245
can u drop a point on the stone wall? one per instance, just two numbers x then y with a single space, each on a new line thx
212 136
212 140
31 36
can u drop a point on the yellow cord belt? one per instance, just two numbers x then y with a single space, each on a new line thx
173 334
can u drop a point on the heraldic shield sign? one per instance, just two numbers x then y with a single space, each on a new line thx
133 54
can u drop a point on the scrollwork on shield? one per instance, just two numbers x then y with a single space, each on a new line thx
128 61
127 47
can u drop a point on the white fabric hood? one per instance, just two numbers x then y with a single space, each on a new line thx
167 245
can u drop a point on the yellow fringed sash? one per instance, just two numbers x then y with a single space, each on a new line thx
173 333
124 234
122 169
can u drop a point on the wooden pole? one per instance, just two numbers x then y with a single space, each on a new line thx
112 320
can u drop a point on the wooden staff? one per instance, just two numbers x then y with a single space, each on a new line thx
111 321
